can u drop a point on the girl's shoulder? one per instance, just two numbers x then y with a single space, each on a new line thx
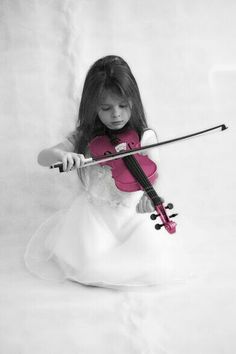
72 138
149 137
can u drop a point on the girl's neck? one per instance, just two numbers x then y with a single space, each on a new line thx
112 133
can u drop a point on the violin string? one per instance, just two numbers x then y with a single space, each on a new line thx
135 168
141 176
137 171
145 181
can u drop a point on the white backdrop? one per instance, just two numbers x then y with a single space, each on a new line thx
183 55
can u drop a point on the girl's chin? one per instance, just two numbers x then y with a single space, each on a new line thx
116 127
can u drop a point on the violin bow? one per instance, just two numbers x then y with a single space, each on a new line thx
99 159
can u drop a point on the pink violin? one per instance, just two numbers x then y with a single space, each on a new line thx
131 170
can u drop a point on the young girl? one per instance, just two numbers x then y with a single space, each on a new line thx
105 238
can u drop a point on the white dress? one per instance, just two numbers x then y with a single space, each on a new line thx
101 240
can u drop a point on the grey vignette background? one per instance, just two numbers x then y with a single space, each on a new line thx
182 54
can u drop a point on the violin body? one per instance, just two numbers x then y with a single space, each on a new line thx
124 179
132 173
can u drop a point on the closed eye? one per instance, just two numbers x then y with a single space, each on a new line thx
105 108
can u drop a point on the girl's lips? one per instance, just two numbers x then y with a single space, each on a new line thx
117 123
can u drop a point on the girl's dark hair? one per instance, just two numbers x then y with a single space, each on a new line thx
110 73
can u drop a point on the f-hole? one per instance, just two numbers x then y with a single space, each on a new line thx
129 145
107 153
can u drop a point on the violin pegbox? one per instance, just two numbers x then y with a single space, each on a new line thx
169 225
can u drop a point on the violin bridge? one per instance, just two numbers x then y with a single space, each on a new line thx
121 147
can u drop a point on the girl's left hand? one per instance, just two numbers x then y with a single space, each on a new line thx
144 205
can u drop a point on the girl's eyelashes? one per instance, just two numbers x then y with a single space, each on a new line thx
104 108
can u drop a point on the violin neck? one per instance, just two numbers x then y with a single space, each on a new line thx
140 176
136 170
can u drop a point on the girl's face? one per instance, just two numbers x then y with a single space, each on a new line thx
114 111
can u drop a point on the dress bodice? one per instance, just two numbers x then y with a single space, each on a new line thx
97 181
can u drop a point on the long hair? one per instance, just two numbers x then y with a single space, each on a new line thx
110 73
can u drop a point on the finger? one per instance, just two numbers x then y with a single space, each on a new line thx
147 205
143 204
150 207
64 162
140 207
82 159
70 163
77 161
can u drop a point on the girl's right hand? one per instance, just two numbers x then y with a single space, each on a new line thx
70 160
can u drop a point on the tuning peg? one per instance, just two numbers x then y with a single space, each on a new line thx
154 216
173 215
169 206
158 226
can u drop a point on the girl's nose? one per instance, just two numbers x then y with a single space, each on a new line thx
116 111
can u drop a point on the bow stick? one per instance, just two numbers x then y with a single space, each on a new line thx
99 159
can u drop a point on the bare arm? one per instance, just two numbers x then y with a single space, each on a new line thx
64 152
55 153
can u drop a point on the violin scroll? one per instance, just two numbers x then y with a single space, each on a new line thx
169 225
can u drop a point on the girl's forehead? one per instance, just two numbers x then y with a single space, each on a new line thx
110 97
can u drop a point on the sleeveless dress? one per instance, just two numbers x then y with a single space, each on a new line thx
101 240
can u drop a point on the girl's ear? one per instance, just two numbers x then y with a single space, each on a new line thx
130 103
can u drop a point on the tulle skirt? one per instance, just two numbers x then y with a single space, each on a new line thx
105 244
